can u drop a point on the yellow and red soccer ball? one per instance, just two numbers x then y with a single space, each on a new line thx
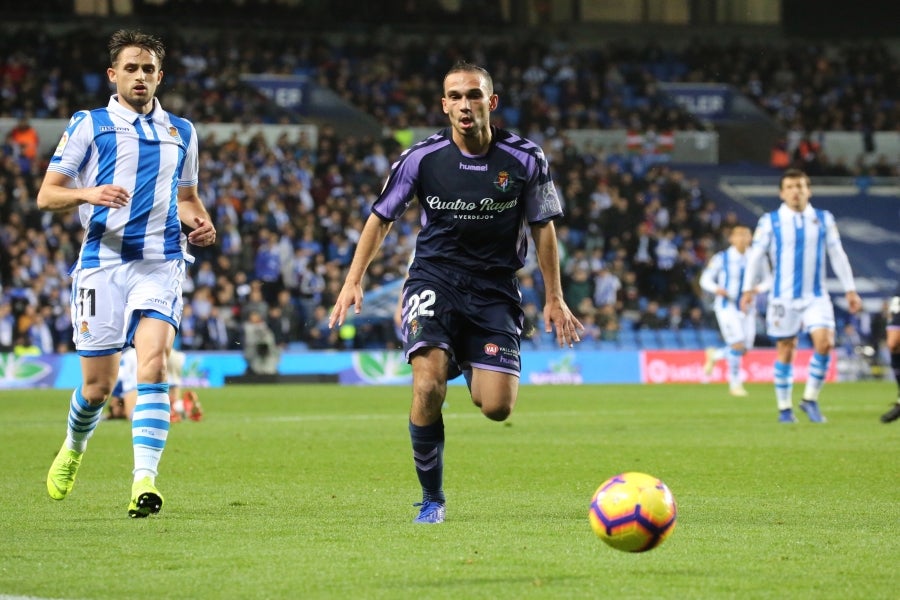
633 512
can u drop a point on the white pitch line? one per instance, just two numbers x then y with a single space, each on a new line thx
8 597
381 417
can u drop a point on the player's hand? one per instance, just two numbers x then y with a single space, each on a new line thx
557 314
854 302
747 300
204 234
351 295
110 196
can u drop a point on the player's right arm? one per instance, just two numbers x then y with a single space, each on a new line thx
710 273
756 254
373 234
57 194
58 191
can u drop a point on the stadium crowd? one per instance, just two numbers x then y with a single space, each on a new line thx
635 236
807 87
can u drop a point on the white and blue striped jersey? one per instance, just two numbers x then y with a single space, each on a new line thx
726 270
796 244
151 156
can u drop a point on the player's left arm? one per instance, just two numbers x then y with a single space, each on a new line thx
192 213
841 265
556 311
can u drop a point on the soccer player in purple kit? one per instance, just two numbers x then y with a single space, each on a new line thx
478 187
893 344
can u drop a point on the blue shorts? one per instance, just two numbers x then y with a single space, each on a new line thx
477 320
894 323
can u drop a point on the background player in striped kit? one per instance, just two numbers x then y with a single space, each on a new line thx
479 188
796 238
131 170
724 278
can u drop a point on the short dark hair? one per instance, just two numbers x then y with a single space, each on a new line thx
793 174
125 38
467 67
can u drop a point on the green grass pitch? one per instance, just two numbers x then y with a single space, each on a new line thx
307 492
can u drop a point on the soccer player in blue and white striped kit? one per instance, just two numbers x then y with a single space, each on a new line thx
131 170
724 278
795 239
479 188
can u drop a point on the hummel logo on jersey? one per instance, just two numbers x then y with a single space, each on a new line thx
465 167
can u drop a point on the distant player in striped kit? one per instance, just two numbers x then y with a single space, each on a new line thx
724 278
796 238
130 169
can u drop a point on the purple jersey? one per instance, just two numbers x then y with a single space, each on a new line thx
475 209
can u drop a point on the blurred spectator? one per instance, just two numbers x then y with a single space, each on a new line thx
698 319
676 317
577 287
285 320
7 328
260 349
320 336
40 332
255 302
652 317
24 141
219 330
608 322
530 293
607 288
531 330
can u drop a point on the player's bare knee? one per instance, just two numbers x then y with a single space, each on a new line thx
430 393
499 412
823 346
153 371
428 398
96 393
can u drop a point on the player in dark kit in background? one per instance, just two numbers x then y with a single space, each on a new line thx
478 187
893 344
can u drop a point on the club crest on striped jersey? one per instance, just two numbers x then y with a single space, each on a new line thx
173 132
84 331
